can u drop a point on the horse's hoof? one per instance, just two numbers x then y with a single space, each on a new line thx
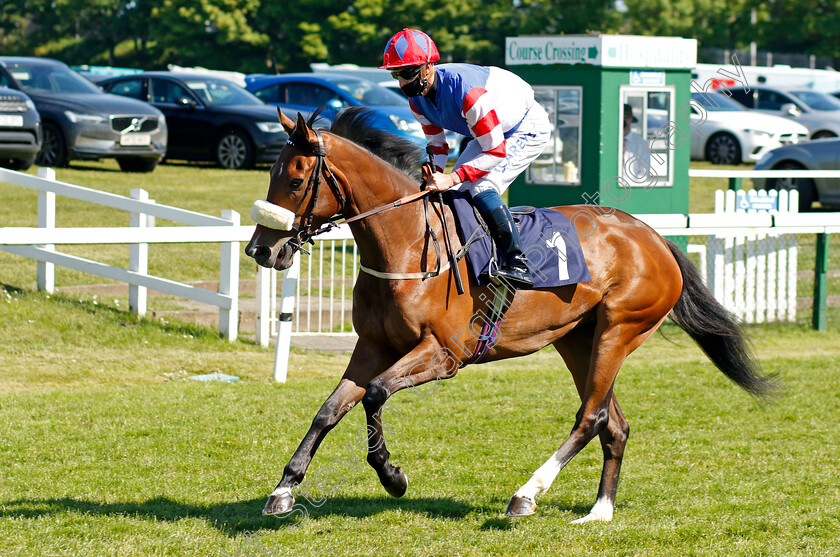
398 487
521 506
279 503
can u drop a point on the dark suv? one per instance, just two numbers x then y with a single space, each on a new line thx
82 122
20 128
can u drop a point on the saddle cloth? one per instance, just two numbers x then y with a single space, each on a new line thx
549 241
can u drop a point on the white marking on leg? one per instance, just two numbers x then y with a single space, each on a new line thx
282 492
540 480
602 511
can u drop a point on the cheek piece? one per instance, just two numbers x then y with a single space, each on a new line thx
272 216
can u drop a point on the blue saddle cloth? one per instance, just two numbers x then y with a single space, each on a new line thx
549 240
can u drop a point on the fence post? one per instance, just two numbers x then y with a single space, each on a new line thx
284 325
46 219
229 281
263 317
821 284
138 258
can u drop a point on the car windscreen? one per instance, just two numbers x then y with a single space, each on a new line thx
218 92
817 100
369 93
49 78
716 102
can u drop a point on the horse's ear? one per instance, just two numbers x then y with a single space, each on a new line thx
304 129
287 123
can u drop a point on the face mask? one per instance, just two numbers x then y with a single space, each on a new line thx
415 88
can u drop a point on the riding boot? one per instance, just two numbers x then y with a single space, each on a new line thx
514 269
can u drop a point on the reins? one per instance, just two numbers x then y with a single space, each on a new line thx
305 233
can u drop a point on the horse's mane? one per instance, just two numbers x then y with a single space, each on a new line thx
355 124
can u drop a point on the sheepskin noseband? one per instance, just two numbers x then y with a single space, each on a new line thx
271 215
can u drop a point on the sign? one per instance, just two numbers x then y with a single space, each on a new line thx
757 202
552 50
615 51
647 78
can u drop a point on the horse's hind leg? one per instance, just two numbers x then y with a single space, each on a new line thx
599 414
577 353
613 441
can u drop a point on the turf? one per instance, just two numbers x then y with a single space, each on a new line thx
108 448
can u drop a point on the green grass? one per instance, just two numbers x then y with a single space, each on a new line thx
107 448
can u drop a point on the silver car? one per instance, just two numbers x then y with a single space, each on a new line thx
81 122
818 112
20 129
823 154
724 132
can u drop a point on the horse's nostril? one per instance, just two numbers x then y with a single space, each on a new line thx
258 252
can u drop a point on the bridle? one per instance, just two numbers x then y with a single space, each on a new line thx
305 232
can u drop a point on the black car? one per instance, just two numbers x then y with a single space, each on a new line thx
209 118
20 129
81 122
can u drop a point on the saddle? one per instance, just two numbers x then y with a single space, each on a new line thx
549 241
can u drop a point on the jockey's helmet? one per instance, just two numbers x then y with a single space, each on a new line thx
409 47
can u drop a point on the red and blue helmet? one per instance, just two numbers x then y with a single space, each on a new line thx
409 47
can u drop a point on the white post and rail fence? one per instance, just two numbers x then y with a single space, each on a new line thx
749 260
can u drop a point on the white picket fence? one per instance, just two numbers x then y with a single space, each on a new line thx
754 275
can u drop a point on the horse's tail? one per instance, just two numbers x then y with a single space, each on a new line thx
716 331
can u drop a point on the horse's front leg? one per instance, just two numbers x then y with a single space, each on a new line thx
367 362
426 362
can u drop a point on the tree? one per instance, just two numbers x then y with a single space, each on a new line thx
214 33
804 26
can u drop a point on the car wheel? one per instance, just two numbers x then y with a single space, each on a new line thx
137 164
54 148
805 186
723 148
823 134
17 164
234 151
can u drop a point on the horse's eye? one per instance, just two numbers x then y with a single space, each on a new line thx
295 183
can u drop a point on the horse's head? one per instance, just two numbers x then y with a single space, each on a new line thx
293 208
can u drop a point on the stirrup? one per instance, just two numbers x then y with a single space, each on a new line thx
517 279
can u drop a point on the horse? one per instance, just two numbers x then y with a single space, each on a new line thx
410 319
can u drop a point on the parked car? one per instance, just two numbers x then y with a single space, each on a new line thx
727 133
20 129
96 74
308 91
209 118
823 154
818 112
80 122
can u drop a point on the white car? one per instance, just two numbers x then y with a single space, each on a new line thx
725 132
818 112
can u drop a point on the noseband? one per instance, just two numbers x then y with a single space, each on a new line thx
269 215
272 216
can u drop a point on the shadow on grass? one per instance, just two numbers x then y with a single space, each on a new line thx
236 517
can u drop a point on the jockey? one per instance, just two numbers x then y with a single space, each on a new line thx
493 106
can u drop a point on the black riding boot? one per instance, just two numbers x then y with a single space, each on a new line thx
514 270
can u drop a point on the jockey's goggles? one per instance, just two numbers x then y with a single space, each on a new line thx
407 74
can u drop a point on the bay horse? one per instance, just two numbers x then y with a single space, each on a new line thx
408 328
